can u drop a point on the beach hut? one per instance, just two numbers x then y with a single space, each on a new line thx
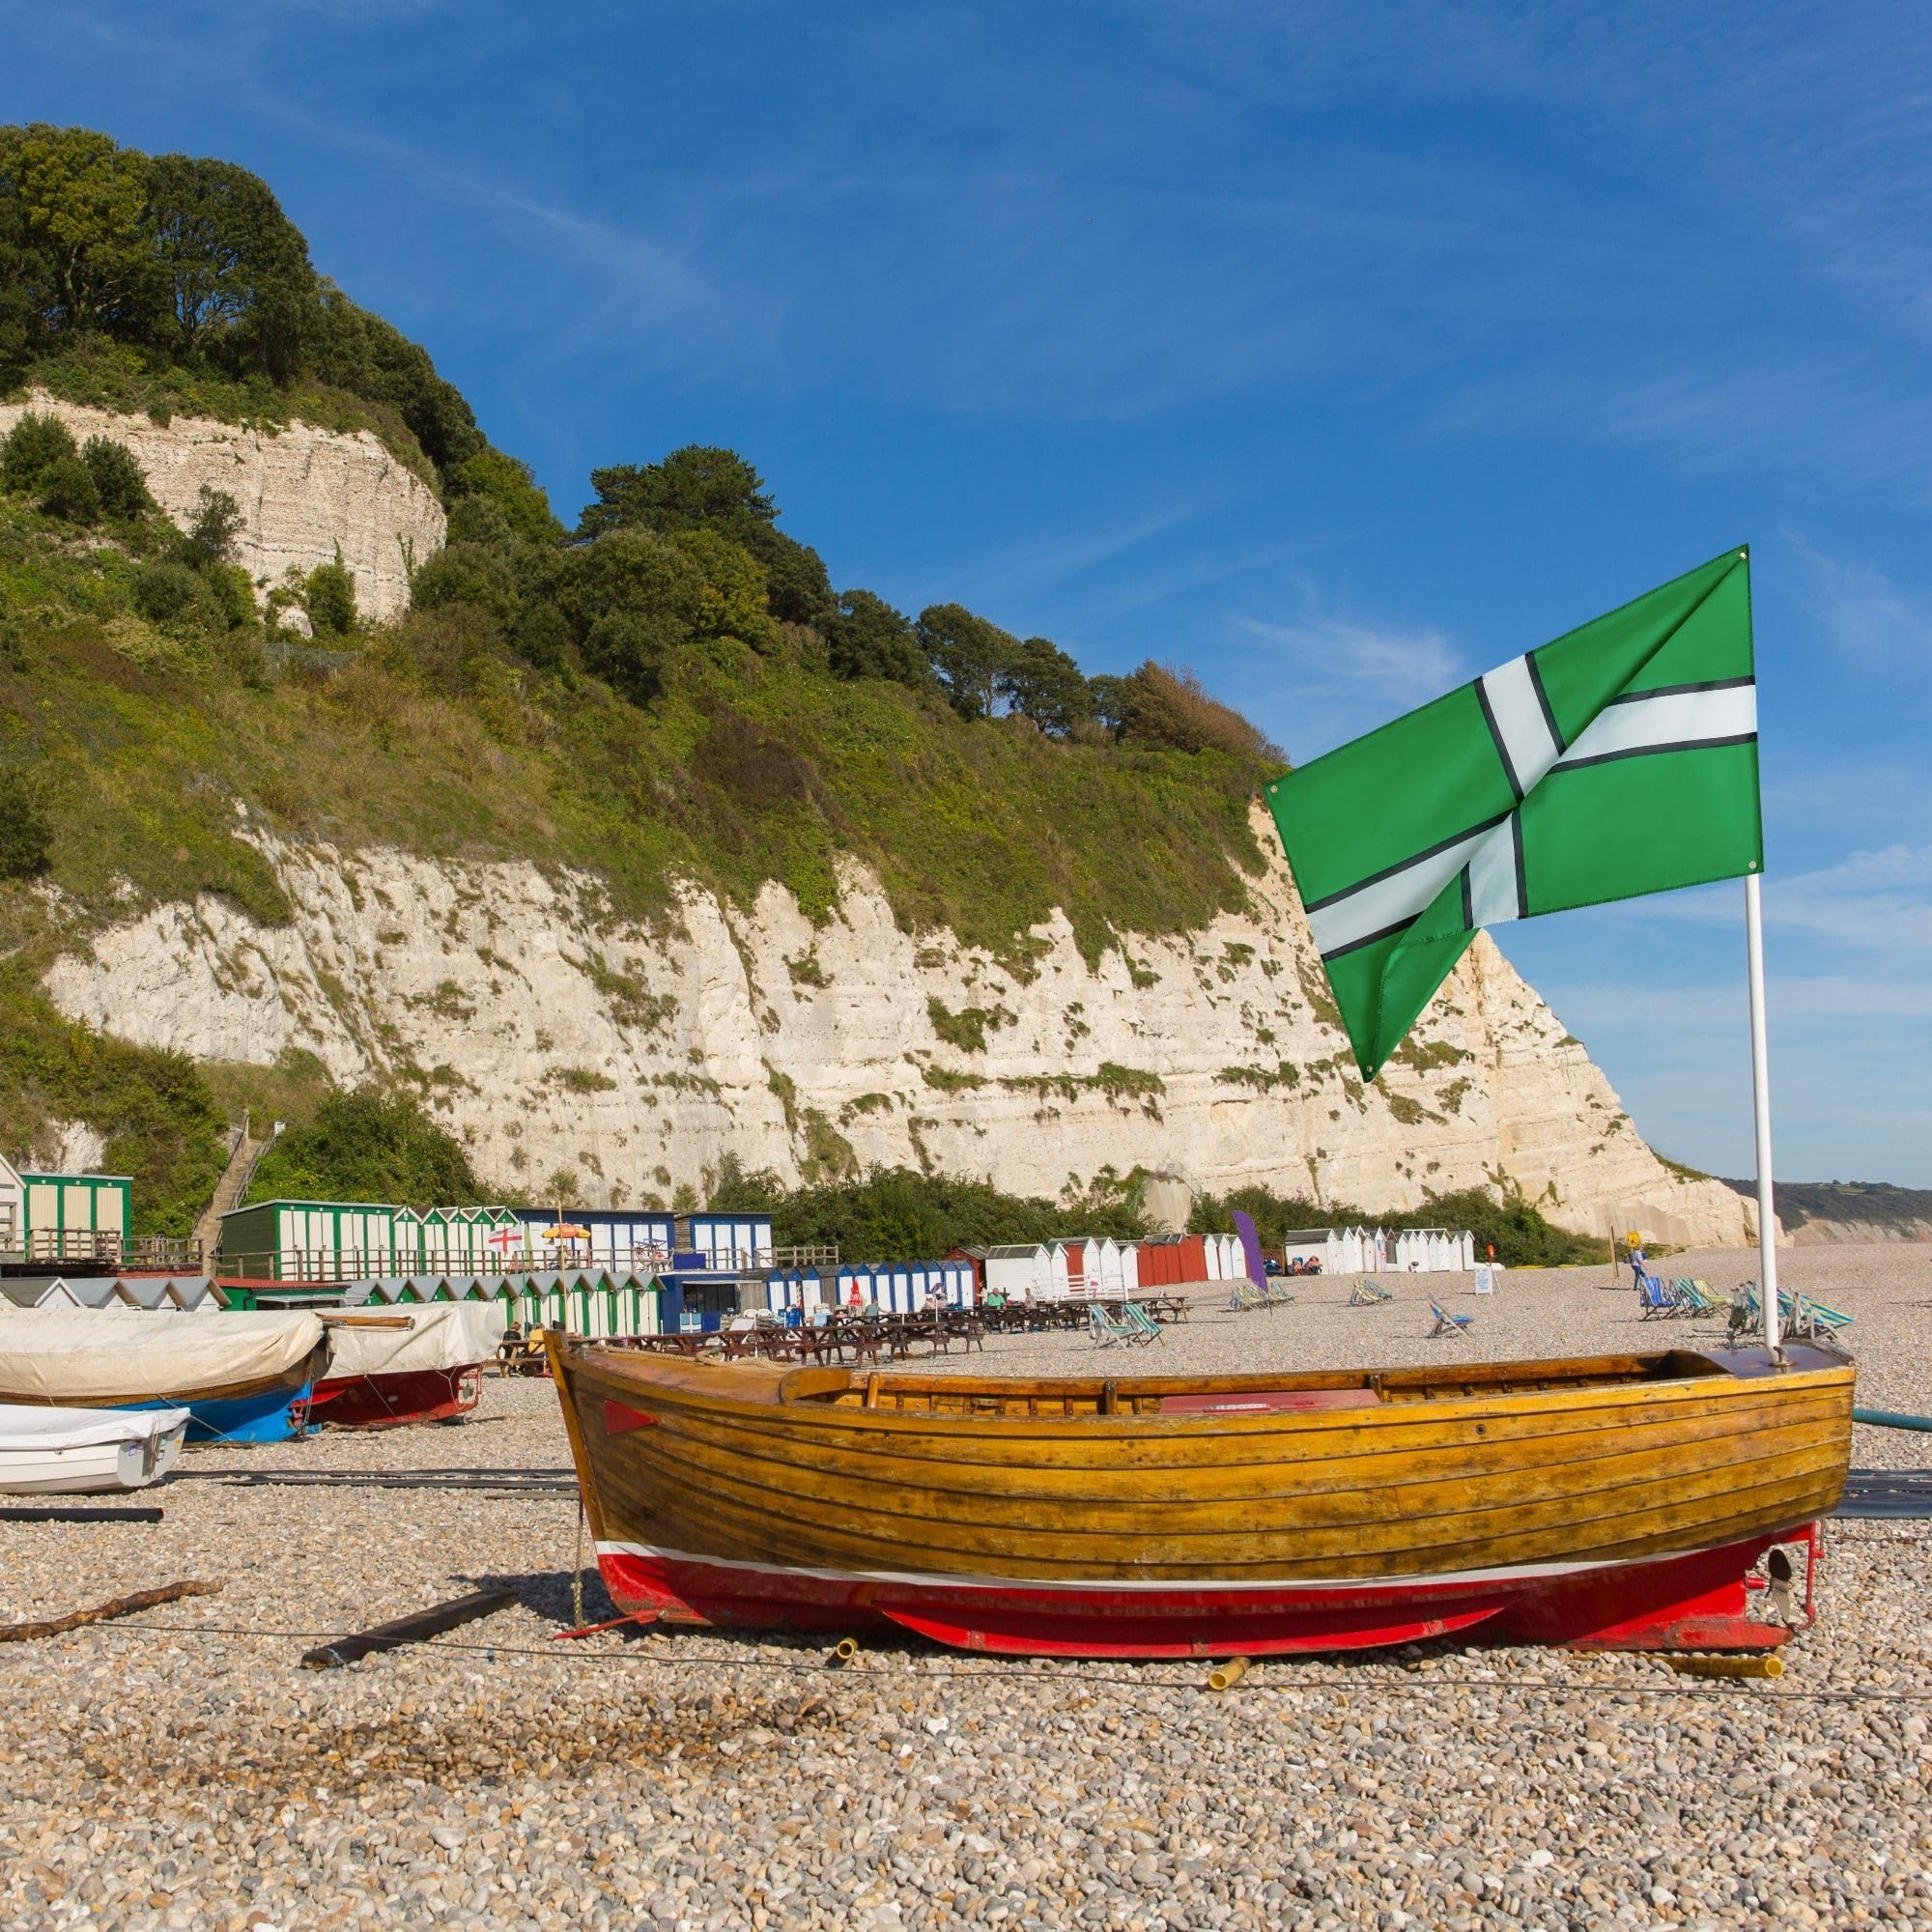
727 1243
1083 1265
309 1242
1055 1283
974 1255
76 1217
34 1292
697 1300
632 1238
1107 1267
1131 1268
1018 1271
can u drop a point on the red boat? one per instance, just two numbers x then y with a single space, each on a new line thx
422 1364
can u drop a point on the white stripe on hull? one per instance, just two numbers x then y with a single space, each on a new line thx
931 1579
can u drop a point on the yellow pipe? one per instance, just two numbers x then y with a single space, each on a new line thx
845 1650
1225 1676
1726 1666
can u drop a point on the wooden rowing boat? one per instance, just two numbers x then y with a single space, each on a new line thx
1617 1501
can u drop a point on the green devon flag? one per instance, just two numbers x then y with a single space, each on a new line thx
1620 759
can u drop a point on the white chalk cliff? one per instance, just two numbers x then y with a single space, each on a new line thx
553 1036
305 493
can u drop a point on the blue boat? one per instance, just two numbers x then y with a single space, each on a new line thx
271 1415
243 1378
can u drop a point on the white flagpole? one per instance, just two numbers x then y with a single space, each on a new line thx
1767 1226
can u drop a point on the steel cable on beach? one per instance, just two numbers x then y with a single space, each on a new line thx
940 1668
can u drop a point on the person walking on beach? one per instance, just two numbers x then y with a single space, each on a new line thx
1636 1265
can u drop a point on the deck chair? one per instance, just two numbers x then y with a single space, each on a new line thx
1747 1311
1654 1299
1694 1298
1811 1319
1447 1324
1367 1294
1823 1316
1107 1329
1246 1295
1146 1328
1277 1295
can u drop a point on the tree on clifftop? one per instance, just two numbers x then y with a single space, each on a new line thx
702 488
77 200
968 653
696 488
235 268
1041 682
866 637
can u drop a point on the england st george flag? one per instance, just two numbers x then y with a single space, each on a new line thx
1619 759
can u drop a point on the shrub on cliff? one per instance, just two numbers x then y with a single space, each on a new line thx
171 594
367 1145
119 481
32 448
67 491
328 596
1167 709
26 832
216 528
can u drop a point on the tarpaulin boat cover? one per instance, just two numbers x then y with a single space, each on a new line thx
109 1356
39 1429
446 1335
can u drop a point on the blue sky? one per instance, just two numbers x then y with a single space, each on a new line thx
1339 353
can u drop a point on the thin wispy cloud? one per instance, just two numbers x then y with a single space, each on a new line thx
1337 673
1876 624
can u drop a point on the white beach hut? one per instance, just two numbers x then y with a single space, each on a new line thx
1018 1271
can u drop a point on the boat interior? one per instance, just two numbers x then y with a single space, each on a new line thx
1070 1395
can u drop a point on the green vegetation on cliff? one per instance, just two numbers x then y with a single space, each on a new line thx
367 1145
1875 1203
897 1213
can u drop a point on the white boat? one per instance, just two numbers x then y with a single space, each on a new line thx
73 1451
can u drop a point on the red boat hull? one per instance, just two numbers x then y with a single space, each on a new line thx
1694 1600
389 1401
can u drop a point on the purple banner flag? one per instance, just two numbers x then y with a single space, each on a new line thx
1251 1248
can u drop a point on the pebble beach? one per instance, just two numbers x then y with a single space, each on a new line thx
180 1769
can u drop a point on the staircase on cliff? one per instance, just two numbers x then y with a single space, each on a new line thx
244 1157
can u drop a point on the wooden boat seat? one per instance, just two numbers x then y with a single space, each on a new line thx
1269 1401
